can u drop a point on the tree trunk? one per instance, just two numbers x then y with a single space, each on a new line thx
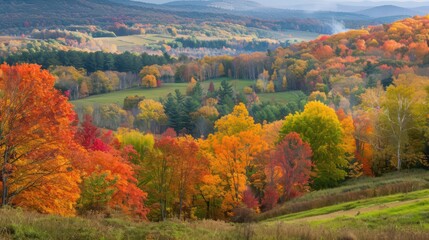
163 209
398 155
180 203
208 209
4 179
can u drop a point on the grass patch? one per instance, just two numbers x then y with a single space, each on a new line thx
412 216
128 43
353 190
157 93
355 205
18 224
404 222
281 97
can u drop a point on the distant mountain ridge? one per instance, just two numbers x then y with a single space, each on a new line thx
387 11
231 5
20 16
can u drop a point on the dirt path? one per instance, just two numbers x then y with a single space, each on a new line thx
355 211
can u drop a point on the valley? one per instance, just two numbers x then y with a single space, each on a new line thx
214 119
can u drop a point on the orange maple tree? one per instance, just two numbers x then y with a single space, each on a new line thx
104 159
36 137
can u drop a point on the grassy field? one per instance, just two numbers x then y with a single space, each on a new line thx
354 190
157 93
128 43
394 216
343 208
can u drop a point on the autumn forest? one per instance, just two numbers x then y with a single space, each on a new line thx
275 137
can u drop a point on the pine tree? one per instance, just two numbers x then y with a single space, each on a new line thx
191 105
225 91
171 109
197 92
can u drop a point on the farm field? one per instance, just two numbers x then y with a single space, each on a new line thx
130 43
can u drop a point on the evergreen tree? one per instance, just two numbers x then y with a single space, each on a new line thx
225 92
197 92
171 110
180 98
191 105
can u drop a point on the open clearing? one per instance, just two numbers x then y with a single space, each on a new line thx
157 93
390 206
361 208
129 43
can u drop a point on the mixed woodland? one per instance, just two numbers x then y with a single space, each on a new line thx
215 153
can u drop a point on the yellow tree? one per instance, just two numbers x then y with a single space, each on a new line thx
210 188
270 87
402 114
149 81
221 70
349 142
234 146
191 85
150 70
152 113
284 82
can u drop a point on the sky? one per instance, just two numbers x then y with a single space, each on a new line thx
294 2
325 4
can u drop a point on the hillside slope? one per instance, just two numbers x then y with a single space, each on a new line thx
242 5
395 216
354 190
51 13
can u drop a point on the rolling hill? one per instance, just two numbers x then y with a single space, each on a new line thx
23 16
241 5
31 14
388 11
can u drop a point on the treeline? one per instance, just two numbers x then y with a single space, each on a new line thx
196 43
121 29
90 61
77 83
251 46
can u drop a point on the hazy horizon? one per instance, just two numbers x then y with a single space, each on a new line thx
322 3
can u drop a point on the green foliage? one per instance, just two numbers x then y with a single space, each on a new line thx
131 102
226 93
109 116
402 119
94 61
97 190
269 112
319 126
141 143
190 106
197 92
